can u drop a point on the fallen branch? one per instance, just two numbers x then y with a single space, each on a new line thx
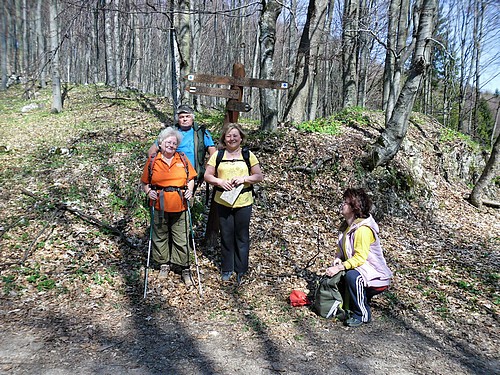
4 230
27 252
313 167
87 218
100 224
489 203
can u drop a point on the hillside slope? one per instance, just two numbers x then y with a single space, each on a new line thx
74 235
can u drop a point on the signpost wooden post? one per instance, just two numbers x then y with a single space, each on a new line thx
234 106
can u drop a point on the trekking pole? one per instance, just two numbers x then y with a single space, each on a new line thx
149 251
194 249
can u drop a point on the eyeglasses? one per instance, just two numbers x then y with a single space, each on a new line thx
342 205
173 144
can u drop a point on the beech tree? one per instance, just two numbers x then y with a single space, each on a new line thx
298 107
3 45
390 139
397 52
350 46
183 41
271 9
40 43
54 46
491 170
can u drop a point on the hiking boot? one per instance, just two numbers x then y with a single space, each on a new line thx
341 315
226 275
186 277
164 270
353 322
240 278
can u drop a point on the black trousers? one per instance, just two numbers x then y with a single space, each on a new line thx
234 226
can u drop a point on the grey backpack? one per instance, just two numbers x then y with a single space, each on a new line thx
327 299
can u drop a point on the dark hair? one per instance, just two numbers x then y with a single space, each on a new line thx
226 129
359 201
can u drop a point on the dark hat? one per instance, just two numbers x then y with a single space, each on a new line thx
184 109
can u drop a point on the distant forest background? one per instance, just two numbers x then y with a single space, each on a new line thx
334 54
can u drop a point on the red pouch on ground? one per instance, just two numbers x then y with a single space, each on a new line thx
299 298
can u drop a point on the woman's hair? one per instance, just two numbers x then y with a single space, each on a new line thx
359 201
167 133
226 129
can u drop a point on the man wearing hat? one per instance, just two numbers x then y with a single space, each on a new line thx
196 141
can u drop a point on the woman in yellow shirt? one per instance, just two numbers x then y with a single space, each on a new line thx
231 175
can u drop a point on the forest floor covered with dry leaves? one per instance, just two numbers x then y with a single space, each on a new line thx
74 238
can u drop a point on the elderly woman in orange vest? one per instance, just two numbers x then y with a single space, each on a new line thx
168 180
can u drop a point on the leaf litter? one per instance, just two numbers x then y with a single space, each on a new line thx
79 290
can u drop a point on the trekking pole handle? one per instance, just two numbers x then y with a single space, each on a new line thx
152 194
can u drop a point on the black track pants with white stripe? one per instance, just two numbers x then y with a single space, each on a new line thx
358 303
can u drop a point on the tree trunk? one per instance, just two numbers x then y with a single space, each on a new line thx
252 100
465 73
138 52
16 35
391 138
350 52
108 32
477 36
397 53
196 27
184 37
3 46
490 171
174 60
365 40
117 45
298 105
495 133
40 43
95 43
54 46
271 9
25 43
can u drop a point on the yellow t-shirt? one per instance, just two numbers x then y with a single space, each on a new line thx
363 238
230 169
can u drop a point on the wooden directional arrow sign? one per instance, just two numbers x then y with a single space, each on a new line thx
238 106
243 81
214 91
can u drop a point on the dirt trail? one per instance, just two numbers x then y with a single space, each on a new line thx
158 344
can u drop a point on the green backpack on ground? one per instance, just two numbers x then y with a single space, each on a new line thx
328 300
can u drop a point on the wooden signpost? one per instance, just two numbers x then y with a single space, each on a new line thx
237 81
213 91
234 94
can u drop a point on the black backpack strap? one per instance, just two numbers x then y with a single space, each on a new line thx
220 155
245 152
185 163
151 164
200 150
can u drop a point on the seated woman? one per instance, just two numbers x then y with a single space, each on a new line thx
360 255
